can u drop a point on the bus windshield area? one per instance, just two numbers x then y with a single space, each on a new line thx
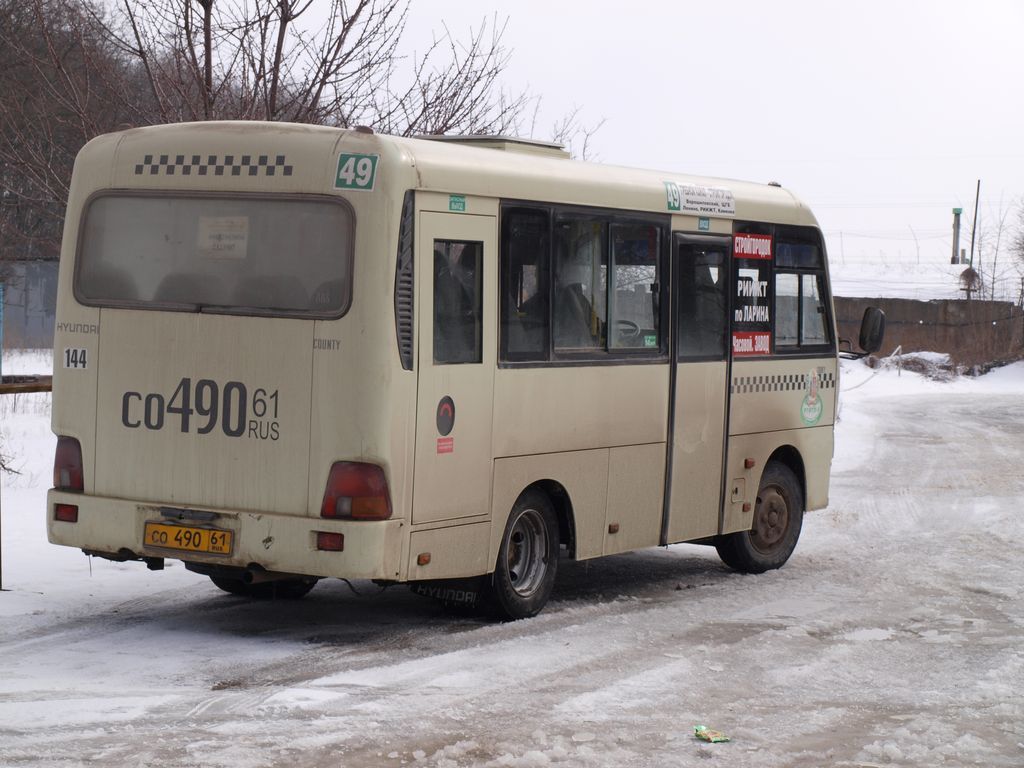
232 254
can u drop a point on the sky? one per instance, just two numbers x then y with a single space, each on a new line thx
881 115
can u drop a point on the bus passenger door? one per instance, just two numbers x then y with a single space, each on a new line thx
457 346
700 391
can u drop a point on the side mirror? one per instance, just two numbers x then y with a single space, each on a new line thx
872 330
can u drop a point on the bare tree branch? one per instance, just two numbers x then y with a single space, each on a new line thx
72 69
575 136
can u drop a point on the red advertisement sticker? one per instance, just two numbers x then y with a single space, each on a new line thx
752 246
751 343
445 444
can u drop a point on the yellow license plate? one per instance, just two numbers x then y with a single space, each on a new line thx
211 541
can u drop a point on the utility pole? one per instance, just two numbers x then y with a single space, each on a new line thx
956 236
974 226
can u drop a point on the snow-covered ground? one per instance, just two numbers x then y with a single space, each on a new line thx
892 637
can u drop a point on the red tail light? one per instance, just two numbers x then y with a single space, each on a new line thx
67 465
330 542
356 491
67 513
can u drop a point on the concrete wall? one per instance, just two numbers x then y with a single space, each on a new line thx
972 332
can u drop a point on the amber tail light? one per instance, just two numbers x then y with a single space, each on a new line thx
67 465
356 491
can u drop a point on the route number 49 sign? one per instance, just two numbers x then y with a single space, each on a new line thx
356 171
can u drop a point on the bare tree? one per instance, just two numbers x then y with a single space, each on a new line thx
999 225
5 464
1016 246
210 59
60 85
576 136
273 60
73 69
461 95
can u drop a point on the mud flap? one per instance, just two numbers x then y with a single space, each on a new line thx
453 593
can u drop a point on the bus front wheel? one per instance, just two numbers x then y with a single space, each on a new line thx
778 516
527 559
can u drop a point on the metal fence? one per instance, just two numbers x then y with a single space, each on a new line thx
29 303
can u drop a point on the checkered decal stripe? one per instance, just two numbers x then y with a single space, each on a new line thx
781 383
214 165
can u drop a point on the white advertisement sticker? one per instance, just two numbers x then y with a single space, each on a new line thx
223 237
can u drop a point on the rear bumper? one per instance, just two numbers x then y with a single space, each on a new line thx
373 550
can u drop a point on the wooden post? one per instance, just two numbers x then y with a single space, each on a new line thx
1 472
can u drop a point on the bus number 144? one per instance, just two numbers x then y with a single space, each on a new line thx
75 358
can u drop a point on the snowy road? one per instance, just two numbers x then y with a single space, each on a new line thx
893 636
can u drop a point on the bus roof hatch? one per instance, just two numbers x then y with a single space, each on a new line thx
507 144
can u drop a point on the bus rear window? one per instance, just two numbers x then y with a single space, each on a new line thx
238 254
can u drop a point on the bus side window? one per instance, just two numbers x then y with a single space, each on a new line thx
634 316
812 309
524 284
801 304
581 284
702 303
458 301
787 309
799 310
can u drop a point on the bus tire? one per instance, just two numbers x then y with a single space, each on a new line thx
286 589
778 517
527 559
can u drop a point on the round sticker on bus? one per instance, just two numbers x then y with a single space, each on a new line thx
445 416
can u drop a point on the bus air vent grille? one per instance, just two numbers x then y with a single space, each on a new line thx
404 284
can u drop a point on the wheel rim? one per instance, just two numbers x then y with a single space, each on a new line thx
771 520
527 548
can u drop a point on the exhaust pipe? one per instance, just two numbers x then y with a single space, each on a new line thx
256 574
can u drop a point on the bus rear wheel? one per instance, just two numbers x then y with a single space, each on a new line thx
285 589
778 517
527 559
